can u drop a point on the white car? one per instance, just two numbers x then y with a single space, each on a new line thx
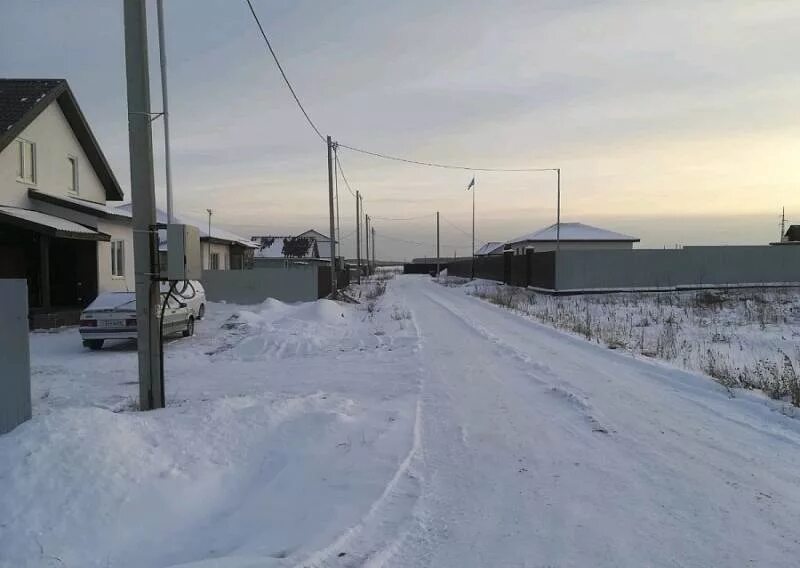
112 315
191 293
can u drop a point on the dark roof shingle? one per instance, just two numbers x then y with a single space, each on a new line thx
18 97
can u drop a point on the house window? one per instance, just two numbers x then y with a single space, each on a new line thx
118 258
214 261
72 172
26 164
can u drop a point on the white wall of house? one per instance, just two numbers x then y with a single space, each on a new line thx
224 252
547 246
54 144
106 281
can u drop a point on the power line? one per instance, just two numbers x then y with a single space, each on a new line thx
283 73
403 218
456 227
344 177
445 166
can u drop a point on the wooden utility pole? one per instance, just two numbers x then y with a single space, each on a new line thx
332 223
373 248
366 242
358 234
145 240
437 245
783 223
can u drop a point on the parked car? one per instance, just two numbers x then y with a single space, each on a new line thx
192 293
112 315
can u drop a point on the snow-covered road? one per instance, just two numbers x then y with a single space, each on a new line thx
423 428
539 449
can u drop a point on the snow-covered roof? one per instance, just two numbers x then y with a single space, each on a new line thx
314 234
573 232
202 227
490 248
50 223
78 203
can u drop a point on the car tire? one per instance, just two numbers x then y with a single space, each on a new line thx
189 331
94 344
201 312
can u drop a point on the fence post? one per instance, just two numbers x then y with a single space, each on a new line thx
528 264
15 372
508 258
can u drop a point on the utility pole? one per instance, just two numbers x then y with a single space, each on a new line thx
209 211
358 234
373 248
336 189
162 50
437 245
474 189
783 223
145 236
558 211
366 241
330 210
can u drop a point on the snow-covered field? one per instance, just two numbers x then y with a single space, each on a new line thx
422 427
743 338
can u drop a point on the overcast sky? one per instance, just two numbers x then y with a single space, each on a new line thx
675 121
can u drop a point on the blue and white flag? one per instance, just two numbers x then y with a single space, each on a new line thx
471 184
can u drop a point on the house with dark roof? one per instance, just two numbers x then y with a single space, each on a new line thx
57 229
491 248
571 236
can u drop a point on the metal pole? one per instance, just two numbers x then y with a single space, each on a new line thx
358 234
558 212
162 49
366 241
474 189
331 212
145 240
438 256
208 248
336 189
373 248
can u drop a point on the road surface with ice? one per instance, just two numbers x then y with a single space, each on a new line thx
436 430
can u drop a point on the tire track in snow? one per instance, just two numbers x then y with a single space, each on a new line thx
570 396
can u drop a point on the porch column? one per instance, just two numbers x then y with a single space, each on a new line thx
44 270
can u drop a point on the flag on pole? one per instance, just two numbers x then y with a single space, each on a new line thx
471 184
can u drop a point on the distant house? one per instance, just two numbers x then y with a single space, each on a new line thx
56 229
221 250
573 236
310 246
490 249
323 242
791 237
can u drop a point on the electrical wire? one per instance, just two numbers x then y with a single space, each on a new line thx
456 227
438 165
427 216
344 177
283 73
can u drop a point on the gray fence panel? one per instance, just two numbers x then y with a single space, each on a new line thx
292 283
15 366
691 266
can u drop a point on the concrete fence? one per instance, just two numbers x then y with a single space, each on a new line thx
15 371
287 283
290 283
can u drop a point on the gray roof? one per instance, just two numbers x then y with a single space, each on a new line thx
574 232
22 100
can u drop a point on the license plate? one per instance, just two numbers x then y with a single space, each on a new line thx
111 323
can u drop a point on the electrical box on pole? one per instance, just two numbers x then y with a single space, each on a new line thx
184 256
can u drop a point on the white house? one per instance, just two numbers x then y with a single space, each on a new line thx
571 236
221 250
56 229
